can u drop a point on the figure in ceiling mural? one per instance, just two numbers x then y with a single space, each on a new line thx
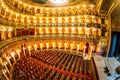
45 1
40 1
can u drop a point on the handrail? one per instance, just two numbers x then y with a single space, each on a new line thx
6 42
88 24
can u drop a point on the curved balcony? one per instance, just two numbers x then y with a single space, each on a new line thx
10 5
52 12
16 48
47 37
47 42
15 23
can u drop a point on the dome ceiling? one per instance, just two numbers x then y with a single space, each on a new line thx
52 3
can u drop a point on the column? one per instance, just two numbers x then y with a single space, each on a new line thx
24 50
13 55
3 35
47 45
29 49
53 44
35 46
71 46
9 33
4 73
7 58
78 47
18 52
41 46
59 45
65 45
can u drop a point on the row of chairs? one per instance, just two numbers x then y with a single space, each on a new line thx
64 66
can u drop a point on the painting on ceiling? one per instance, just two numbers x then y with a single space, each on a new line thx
40 1
44 1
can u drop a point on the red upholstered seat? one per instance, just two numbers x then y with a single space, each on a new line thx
46 65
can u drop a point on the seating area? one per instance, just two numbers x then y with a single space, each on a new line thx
51 65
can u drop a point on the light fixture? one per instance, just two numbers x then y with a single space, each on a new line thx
12 53
59 1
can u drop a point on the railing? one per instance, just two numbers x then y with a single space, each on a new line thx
10 23
6 42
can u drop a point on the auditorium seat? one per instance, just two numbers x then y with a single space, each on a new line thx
50 65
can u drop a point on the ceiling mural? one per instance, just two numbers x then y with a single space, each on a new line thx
52 2
40 1
45 1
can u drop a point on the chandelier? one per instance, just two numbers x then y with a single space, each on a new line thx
59 1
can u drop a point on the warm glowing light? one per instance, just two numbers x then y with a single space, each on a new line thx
93 17
53 30
47 30
60 20
24 50
94 29
84 5
79 28
35 47
60 30
47 20
41 45
47 45
84 51
18 52
92 6
10 29
73 28
53 20
87 31
65 45
53 44
59 1
40 30
59 44
12 54
71 46
73 19
5 63
4 72
66 30
29 47
1 61
78 47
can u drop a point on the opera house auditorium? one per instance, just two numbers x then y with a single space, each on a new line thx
59 39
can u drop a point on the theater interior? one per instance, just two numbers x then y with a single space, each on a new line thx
59 39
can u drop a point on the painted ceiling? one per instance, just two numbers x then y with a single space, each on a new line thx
39 1
48 3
